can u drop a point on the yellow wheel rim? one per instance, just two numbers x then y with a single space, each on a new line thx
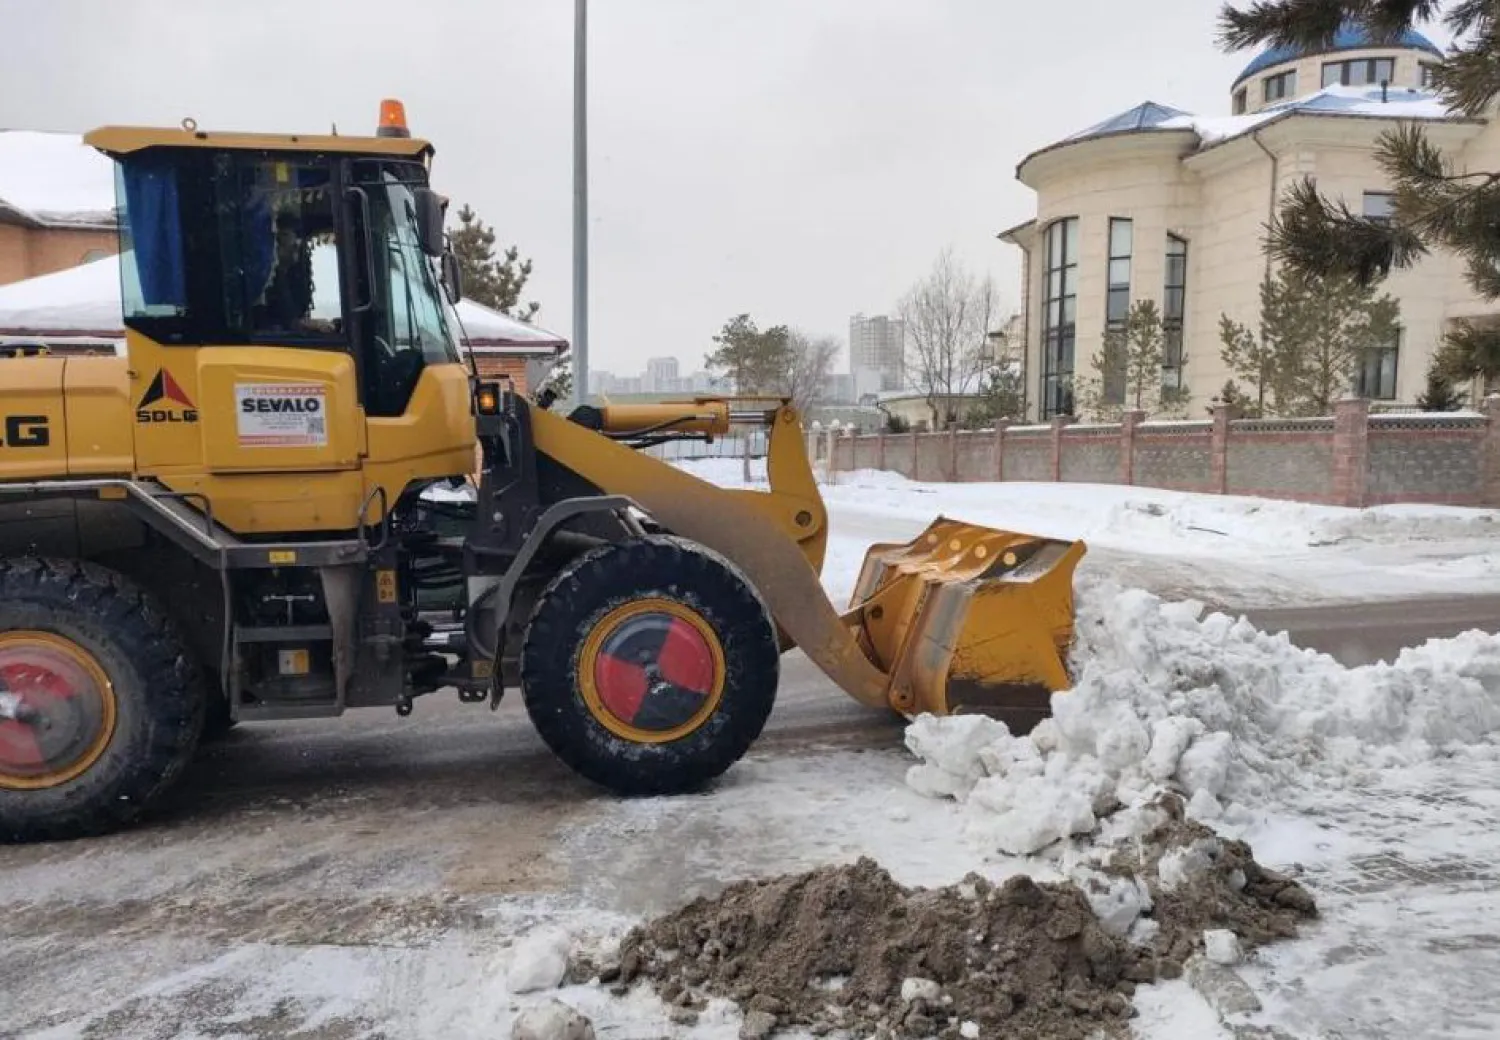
651 671
57 710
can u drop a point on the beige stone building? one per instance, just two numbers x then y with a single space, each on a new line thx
1157 203
57 205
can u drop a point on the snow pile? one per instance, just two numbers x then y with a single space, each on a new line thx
1208 706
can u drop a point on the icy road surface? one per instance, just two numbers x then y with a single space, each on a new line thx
371 876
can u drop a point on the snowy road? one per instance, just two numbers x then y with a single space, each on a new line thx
367 877
327 879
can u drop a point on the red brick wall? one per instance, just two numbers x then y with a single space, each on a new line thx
31 252
1353 459
492 367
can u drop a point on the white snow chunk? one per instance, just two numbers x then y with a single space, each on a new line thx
1117 902
969 1030
539 961
949 753
920 989
553 1020
1221 946
1181 865
1170 737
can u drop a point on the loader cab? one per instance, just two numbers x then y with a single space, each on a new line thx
293 249
285 314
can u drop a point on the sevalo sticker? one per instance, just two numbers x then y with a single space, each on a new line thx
281 415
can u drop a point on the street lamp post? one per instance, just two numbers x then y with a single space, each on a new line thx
580 205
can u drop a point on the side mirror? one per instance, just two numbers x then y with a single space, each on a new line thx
453 277
430 221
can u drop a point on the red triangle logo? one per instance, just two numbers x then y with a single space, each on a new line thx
172 392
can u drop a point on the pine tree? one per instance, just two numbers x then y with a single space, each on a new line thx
494 283
755 361
1129 366
1434 207
1314 333
1441 395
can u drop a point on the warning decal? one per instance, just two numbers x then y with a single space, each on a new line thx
282 415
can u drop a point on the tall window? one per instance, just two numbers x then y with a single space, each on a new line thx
1379 205
1117 305
1282 85
1239 101
1059 316
1375 377
1174 307
1427 75
1359 71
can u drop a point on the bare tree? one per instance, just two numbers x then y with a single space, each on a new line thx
808 361
947 319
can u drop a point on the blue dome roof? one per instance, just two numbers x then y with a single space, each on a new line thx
1348 38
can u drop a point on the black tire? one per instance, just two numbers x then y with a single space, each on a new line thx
582 596
158 696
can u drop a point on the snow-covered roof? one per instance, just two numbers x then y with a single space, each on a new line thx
82 299
1337 100
1349 37
483 326
1145 116
86 300
56 179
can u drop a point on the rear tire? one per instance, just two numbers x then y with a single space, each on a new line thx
80 620
650 666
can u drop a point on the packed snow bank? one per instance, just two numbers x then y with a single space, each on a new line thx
1138 518
1167 699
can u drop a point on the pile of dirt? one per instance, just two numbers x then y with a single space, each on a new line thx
847 949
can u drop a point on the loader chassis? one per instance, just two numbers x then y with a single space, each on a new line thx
291 498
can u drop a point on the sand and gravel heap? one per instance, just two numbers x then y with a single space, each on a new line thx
848 951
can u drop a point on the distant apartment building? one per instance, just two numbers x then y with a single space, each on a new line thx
877 344
661 375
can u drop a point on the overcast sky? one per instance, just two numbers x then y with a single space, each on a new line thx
797 159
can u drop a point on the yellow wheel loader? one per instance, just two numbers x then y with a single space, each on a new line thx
292 497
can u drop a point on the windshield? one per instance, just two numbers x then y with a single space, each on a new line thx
408 327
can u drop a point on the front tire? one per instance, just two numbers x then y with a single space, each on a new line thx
650 666
103 705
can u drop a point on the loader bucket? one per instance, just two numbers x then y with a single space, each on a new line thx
966 618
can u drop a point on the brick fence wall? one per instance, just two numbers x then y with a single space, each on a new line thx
1351 459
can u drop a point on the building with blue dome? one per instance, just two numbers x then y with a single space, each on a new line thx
1160 203
1279 73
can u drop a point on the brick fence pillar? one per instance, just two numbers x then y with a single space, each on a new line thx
1489 490
1351 451
1000 450
1219 459
952 453
916 457
880 450
1128 422
1058 423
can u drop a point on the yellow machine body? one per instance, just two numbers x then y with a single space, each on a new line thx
963 618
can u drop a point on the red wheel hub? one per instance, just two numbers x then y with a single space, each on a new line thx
57 710
655 671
